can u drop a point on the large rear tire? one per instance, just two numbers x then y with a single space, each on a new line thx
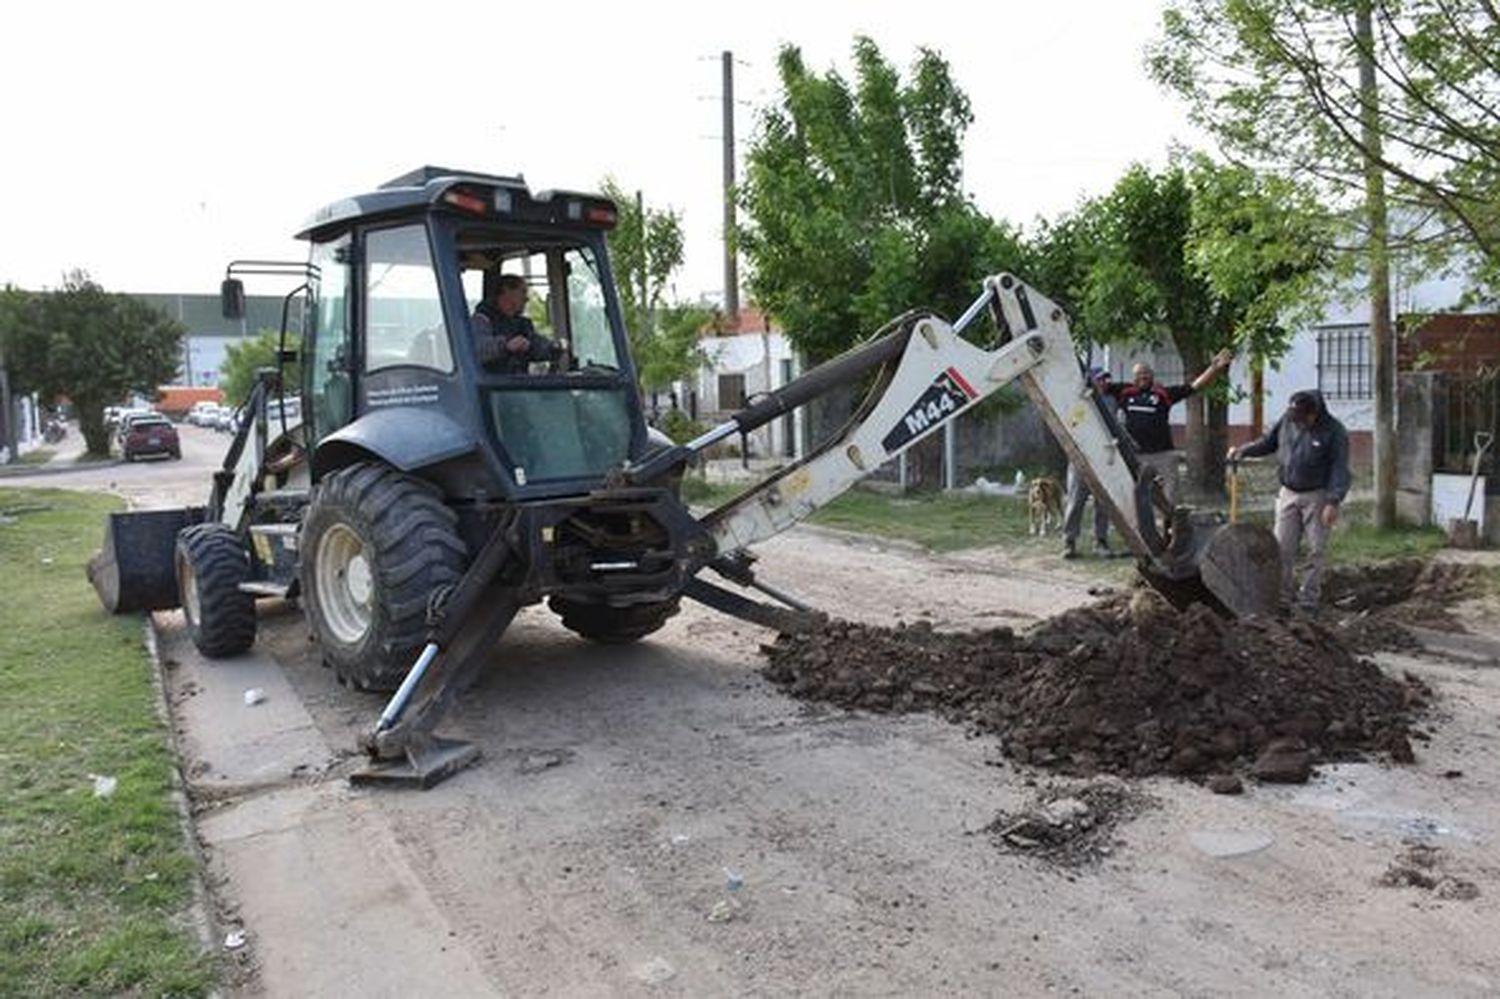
613 625
376 544
211 564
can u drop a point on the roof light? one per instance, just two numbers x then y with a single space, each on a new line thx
575 211
602 215
503 200
466 201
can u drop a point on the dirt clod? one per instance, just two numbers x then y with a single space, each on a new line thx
1071 826
1421 865
1128 685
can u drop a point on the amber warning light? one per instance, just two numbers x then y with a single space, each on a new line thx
466 201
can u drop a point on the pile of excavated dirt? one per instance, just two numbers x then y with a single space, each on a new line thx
1370 606
1126 686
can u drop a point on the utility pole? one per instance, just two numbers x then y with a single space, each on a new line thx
1382 343
731 268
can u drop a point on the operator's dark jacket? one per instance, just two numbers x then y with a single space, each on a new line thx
1315 457
490 324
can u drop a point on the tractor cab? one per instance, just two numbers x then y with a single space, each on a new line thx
418 353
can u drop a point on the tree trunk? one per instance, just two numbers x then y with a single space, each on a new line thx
1382 343
91 424
1207 434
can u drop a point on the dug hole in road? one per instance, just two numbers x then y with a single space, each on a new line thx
663 819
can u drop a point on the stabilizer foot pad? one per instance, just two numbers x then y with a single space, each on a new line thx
422 768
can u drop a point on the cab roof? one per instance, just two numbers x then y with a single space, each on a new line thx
465 192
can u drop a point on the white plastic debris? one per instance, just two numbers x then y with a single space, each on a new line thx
234 940
733 880
104 786
655 971
724 910
681 839
254 696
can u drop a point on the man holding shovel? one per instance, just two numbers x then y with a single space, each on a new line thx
1312 457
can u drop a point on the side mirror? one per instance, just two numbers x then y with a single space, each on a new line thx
232 298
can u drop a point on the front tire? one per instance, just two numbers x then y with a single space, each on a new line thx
376 544
613 625
211 565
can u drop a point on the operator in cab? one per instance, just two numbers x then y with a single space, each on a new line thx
504 338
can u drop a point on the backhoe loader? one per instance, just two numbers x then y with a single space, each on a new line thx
419 498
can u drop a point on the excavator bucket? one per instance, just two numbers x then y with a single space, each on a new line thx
135 570
1240 565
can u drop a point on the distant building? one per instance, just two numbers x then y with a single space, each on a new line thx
210 335
745 359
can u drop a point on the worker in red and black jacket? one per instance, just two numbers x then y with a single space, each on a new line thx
1146 407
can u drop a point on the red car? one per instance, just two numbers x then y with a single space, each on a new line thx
151 435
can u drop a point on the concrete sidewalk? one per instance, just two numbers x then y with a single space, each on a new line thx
323 892
67 457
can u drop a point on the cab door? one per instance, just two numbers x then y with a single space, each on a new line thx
328 375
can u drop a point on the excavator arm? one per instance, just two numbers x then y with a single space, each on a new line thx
938 375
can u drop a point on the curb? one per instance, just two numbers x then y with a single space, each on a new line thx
199 911
54 467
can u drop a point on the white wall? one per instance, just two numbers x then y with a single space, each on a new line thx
760 358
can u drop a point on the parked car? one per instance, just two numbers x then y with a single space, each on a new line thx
128 417
151 434
202 413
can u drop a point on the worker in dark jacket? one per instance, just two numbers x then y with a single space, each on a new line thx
1147 408
1312 457
505 339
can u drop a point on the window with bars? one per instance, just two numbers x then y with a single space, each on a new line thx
1344 369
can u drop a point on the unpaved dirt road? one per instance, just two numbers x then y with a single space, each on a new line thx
660 820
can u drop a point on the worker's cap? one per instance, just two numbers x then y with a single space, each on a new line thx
1098 375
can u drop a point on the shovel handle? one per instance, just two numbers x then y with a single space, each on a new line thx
1234 490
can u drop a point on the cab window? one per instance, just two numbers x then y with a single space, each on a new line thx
404 316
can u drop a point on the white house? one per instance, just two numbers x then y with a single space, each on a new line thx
739 367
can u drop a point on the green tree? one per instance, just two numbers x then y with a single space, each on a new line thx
673 351
1374 99
243 359
89 345
853 201
1201 256
646 248
1277 83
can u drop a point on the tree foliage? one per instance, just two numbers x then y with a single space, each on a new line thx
646 247
1276 81
89 345
243 359
853 201
1198 255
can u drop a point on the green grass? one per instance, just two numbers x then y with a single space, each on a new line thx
40 456
93 891
948 522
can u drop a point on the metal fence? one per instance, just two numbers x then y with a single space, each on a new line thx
1467 405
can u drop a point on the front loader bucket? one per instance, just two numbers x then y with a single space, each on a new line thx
1241 566
135 570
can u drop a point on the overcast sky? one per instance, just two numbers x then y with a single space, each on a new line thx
150 143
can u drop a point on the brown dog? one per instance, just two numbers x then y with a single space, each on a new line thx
1044 499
